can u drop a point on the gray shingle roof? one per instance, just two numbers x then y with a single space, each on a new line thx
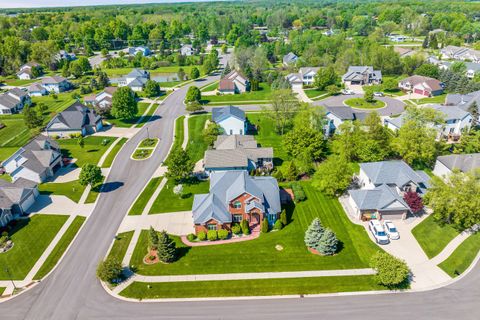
382 198
53 80
138 73
394 172
462 162
14 193
7 101
346 113
225 186
289 58
220 114
75 117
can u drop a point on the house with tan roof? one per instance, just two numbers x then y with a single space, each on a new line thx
102 100
424 86
233 83
26 73
305 76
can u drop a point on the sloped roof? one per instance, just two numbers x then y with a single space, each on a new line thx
75 117
225 159
137 82
7 101
382 198
452 112
17 92
138 73
35 87
305 70
290 57
462 162
235 141
428 82
395 172
53 80
226 85
220 114
14 193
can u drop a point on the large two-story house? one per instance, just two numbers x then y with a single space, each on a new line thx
26 71
305 76
235 196
13 101
336 115
76 119
237 152
56 84
36 161
424 86
362 75
382 185
231 119
135 80
445 165
102 100
233 83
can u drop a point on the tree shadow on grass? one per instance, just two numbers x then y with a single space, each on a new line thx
92 150
181 252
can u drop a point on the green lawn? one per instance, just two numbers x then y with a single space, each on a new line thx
462 257
2 290
14 135
263 94
19 82
94 192
142 200
433 237
60 248
147 117
127 123
260 255
170 69
31 237
313 93
437 99
211 87
63 101
148 143
266 135
360 103
111 156
72 190
120 245
169 84
179 135
142 154
258 287
196 146
92 151
167 201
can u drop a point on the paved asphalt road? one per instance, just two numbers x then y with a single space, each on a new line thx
73 292
393 106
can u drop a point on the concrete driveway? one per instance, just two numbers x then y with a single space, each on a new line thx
178 223
392 106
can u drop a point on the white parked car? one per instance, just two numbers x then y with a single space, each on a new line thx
378 232
347 92
391 230
378 94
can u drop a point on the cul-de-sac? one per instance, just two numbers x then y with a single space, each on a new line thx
239 159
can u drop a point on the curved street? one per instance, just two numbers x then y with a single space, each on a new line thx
392 106
73 292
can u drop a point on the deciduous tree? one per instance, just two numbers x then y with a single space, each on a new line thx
90 175
124 105
333 176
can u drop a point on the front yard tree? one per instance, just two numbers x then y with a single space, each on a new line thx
283 109
81 142
32 117
313 234
166 248
374 140
90 175
152 239
264 225
346 143
333 176
179 165
152 88
211 132
325 77
368 95
194 73
304 143
414 201
109 270
124 104
328 243
455 201
193 95
391 272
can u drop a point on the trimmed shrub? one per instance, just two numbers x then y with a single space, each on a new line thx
109 270
236 229
283 217
298 192
212 235
264 226
191 237
278 225
222 234
245 227
391 272
201 235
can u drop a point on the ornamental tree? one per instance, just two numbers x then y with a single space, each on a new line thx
124 105
414 201
313 234
193 95
90 175
391 272
179 165
166 248
152 88
194 73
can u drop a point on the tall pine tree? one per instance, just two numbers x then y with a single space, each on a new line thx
152 238
314 234
328 243
166 249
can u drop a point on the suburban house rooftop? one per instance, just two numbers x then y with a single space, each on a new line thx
12 193
219 114
462 162
395 172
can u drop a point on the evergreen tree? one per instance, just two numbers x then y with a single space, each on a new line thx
166 249
245 227
226 70
152 238
314 234
31 117
328 243
283 217
264 225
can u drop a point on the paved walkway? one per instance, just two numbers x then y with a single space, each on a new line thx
52 204
301 95
451 246
110 131
185 132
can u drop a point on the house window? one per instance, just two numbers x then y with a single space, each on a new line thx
211 226
231 131
237 205
237 218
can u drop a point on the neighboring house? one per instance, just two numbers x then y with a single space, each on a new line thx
464 101
37 90
460 53
76 119
305 76
382 186
64 55
237 152
397 37
472 68
456 122
338 115
136 79
101 100
187 50
15 199
404 52
231 119
290 59
36 161
362 75
134 50
25 72
56 84
424 86
235 196
13 101
462 162
234 82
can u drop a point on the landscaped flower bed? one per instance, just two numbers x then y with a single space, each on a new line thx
145 149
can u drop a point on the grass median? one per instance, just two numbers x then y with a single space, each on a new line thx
462 257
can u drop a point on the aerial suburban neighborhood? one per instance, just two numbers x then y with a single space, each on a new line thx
239 159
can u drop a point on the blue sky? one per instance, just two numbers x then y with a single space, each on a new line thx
65 3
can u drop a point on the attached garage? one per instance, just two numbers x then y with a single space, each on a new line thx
394 215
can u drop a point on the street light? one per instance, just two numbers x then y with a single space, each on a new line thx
148 135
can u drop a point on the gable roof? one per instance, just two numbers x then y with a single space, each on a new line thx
53 80
346 113
220 114
395 172
382 198
355 73
7 101
138 73
75 117
226 85
290 57
305 70
462 162
36 87
14 193
429 83
452 112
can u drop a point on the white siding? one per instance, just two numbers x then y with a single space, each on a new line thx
441 170
232 125
365 181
